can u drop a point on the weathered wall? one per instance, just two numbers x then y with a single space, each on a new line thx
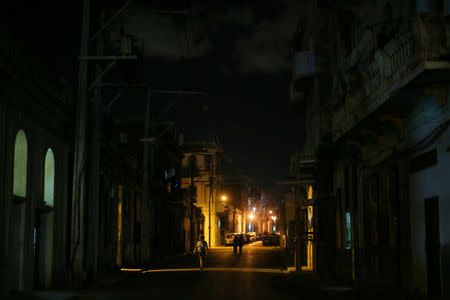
427 183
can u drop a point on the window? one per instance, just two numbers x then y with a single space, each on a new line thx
49 178
310 219
422 6
348 235
20 165
310 192
430 5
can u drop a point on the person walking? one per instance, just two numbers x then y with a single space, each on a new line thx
235 243
201 249
241 242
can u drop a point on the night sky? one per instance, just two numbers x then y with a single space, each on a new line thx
237 52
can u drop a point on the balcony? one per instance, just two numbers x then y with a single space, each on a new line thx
366 86
303 167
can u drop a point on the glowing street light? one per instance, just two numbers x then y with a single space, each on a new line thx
224 198
274 218
251 216
270 212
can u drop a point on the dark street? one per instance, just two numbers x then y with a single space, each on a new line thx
256 274
137 134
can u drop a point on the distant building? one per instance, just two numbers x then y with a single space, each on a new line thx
201 176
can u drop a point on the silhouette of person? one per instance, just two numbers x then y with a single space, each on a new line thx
201 249
241 242
235 243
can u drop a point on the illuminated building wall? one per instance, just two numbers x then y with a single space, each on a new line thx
207 198
309 227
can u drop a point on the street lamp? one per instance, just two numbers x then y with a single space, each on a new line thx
274 218
224 198
251 216
270 212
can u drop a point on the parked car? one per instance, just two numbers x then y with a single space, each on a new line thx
266 240
245 237
248 238
276 239
271 240
229 238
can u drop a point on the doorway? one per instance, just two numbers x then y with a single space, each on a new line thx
432 244
119 226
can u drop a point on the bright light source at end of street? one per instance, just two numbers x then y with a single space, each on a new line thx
251 216
270 211
224 198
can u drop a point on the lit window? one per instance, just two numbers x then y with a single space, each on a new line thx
34 238
49 178
310 192
310 218
20 165
348 242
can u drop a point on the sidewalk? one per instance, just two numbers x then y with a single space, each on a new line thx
66 294
346 290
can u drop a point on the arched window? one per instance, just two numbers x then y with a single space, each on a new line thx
20 165
49 178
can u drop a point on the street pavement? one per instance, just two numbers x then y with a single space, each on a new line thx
259 273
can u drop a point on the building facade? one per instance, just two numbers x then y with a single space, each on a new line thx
373 88
36 132
201 176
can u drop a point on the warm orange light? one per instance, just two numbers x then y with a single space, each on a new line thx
130 270
251 216
119 227
274 218
310 192
270 211
224 198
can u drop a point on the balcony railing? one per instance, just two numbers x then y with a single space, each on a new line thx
391 67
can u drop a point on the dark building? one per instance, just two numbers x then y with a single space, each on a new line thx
371 80
36 134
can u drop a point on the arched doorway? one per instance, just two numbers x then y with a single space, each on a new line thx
43 229
19 193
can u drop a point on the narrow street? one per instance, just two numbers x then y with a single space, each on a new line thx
256 274
253 256
135 134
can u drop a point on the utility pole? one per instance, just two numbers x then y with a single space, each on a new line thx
77 272
96 120
147 220
87 153
211 186
150 206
